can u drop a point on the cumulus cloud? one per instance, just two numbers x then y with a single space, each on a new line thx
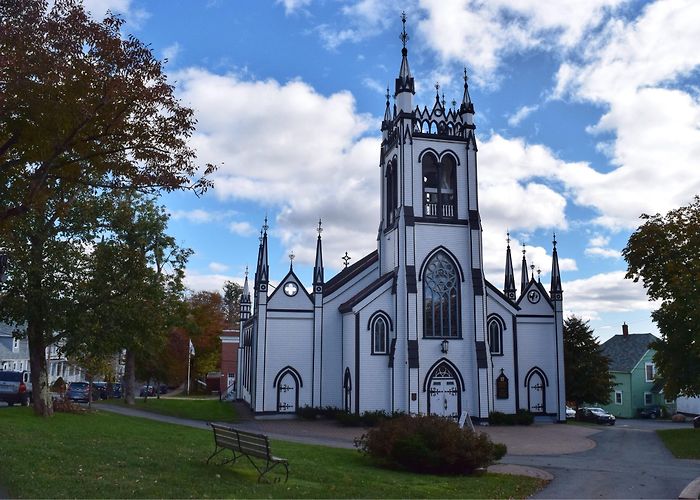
521 114
604 293
218 267
171 52
241 228
286 146
598 247
99 8
291 6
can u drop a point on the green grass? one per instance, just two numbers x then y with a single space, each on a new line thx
683 443
209 410
100 455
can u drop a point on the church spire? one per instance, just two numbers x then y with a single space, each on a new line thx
244 307
263 272
318 266
404 86
555 289
524 280
509 285
467 106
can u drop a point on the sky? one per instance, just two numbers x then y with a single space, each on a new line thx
587 115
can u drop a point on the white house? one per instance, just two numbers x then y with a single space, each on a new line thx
413 326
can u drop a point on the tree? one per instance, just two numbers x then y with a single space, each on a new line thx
663 254
205 323
83 112
586 369
232 303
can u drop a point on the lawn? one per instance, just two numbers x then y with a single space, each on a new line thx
100 455
209 410
683 443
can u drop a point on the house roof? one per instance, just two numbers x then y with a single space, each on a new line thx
625 351
350 272
366 292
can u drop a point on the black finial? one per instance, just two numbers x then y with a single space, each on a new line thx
246 271
532 268
539 271
346 258
443 99
265 226
454 104
261 236
554 239
387 95
437 89
466 78
319 230
291 259
508 238
523 249
404 36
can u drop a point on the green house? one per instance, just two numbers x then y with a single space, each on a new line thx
632 366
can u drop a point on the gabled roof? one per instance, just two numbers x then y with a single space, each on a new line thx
366 292
350 272
625 351
502 296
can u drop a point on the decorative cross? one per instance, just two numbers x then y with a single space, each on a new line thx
403 36
346 258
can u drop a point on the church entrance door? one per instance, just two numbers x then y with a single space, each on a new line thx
287 394
444 393
535 393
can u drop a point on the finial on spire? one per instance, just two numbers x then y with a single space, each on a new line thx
260 238
291 259
523 249
554 239
454 104
265 226
532 268
539 272
346 258
246 272
437 89
319 230
387 95
508 238
443 99
404 36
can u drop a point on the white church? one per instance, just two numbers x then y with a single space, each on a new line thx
414 326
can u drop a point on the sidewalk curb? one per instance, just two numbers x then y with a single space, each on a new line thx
521 470
692 491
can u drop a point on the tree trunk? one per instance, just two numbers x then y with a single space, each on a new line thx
40 379
129 377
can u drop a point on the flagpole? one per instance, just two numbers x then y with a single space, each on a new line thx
189 363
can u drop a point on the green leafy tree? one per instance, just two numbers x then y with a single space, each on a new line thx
83 112
664 254
232 303
586 369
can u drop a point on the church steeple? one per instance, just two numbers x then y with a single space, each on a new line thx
467 106
245 299
263 272
524 280
555 290
509 284
405 86
318 266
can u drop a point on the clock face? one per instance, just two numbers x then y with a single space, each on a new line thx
533 296
291 289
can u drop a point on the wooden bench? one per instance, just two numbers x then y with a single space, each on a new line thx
248 444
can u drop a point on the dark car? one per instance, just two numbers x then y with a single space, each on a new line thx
15 387
654 411
594 414
116 391
696 422
78 391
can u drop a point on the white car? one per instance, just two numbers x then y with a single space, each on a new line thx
570 412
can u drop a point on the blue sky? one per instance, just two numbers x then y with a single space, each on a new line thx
587 115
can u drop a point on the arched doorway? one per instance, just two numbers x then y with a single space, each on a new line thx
287 382
536 391
444 392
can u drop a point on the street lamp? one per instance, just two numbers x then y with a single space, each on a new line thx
444 346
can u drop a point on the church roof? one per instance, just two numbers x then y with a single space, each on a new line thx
350 272
365 292
625 351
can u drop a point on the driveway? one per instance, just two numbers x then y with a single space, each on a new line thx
628 461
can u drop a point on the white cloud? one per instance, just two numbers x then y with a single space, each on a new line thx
479 34
521 114
134 16
208 282
171 52
295 150
291 6
598 247
197 216
218 267
604 293
374 85
241 228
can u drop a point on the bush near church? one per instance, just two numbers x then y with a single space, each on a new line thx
522 417
429 444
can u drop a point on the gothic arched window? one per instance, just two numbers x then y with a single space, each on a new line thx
392 191
495 337
440 298
439 186
380 337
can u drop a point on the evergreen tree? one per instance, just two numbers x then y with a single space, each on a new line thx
586 368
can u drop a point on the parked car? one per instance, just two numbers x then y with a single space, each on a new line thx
163 388
594 414
15 387
100 388
116 391
570 412
654 411
696 422
78 391
147 390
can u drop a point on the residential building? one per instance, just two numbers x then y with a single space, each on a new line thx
632 366
229 362
14 352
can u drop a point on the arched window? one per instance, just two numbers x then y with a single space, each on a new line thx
380 330
439 186
392 191
495 337
440 298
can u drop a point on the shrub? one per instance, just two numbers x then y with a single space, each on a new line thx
308 412
429 445
59 386
67 406
522 417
